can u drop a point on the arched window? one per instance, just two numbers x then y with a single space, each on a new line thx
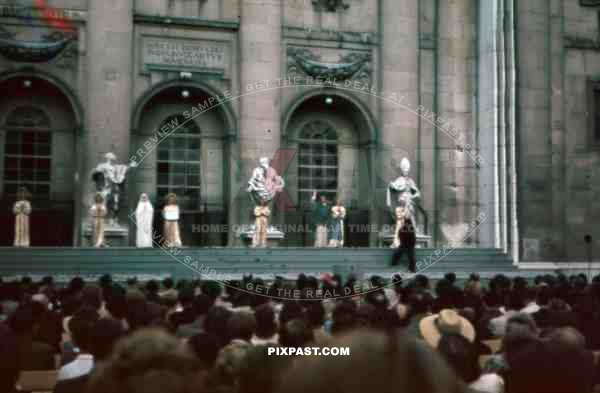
318 160
178 163
28 152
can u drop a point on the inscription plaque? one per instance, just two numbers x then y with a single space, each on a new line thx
164 53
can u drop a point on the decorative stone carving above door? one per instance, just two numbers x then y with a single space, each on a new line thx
349 65
330 5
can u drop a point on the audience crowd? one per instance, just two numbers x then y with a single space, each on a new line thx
510 335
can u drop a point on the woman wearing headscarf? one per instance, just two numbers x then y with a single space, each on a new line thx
144 214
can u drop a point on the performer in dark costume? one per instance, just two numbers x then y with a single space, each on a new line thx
320 219
408 241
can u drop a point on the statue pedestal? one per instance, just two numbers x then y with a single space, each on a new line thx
386 237
115 235
274 236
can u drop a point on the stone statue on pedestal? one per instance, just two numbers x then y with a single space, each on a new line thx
406 190
264 184
109 179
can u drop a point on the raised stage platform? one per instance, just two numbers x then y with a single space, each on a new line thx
234 262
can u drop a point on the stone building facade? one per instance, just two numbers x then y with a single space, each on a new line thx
495 103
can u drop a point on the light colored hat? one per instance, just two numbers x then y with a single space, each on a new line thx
446 322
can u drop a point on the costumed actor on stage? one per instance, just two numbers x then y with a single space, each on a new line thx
407 239
262 213
320 219
22 210
98 214
338 213
144 214
171 217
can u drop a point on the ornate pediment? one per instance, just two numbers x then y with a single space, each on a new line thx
349 65
330 5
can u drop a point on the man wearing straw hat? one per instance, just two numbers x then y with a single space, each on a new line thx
433 327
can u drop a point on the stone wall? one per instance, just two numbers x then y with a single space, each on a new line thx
558 166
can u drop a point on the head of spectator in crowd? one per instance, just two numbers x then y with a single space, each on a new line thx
365 315
266 326
132 283
81 327
447 321
420 302
291 309
206 347
201 304
104 335
23 322
344 317
261 372
212 289
116 303
168 283
521 331
216 323
91 296
229 363
403 314
136 308
75 285
384 363
148 361
152 288
241 326
461 355
555 363
315 315
421 282
105 281
295 333
186 296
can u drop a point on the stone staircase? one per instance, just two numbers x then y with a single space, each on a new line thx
197 263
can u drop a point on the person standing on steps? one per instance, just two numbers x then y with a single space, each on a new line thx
408 242
320 219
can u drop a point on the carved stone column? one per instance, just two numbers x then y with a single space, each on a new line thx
260 61
109 86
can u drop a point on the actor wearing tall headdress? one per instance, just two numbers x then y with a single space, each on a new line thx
171 217
261 214
98 214
320 219
22 210
338 213
144 214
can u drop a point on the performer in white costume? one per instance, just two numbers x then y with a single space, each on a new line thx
22 211
98 214
144 215
338 213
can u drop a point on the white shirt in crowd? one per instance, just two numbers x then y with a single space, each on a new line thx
274 339
82 365
531 308
488 383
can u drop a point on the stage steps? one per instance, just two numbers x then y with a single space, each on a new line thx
219 262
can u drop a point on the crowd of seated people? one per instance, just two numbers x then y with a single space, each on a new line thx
509 335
